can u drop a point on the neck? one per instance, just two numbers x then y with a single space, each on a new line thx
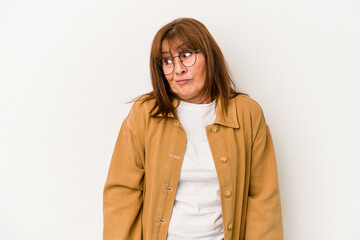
201 100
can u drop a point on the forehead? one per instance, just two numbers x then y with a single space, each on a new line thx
172 46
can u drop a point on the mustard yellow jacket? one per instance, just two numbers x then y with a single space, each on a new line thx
145 167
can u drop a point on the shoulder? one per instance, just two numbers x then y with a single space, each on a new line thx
139 113
246 105
142 106
250 115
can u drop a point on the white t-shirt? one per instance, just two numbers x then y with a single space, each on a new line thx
197 209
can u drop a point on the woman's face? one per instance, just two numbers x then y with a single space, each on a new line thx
186 82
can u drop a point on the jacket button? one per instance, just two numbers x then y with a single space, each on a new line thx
167 188
230 226
223 159
174 156
227 194
215 129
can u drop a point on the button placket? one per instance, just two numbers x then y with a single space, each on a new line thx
170 169
222 163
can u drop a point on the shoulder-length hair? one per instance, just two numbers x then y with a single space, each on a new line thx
194 35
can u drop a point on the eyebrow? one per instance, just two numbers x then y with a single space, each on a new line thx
178 47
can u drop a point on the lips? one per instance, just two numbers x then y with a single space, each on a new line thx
182 81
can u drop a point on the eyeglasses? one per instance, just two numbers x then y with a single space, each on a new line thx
187 59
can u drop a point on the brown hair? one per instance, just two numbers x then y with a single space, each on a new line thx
194 35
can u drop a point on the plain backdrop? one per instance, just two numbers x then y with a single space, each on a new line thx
67 69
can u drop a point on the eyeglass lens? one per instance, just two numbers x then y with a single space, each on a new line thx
187 58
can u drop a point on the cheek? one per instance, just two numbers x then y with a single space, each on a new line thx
202 74
170 82
201 70
169 78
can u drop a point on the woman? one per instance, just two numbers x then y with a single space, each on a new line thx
194 159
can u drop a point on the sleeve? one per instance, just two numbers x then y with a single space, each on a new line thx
123 190
263 217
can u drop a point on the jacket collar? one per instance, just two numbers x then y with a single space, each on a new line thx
229 120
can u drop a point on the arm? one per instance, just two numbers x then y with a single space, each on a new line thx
123 191
264 218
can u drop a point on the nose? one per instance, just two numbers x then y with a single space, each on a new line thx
178 67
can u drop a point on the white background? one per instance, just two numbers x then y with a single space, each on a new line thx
68 67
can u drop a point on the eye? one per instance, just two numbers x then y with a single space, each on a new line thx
166 61
186 53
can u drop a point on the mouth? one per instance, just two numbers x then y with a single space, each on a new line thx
182 81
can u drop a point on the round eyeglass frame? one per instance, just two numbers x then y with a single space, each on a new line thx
173 62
